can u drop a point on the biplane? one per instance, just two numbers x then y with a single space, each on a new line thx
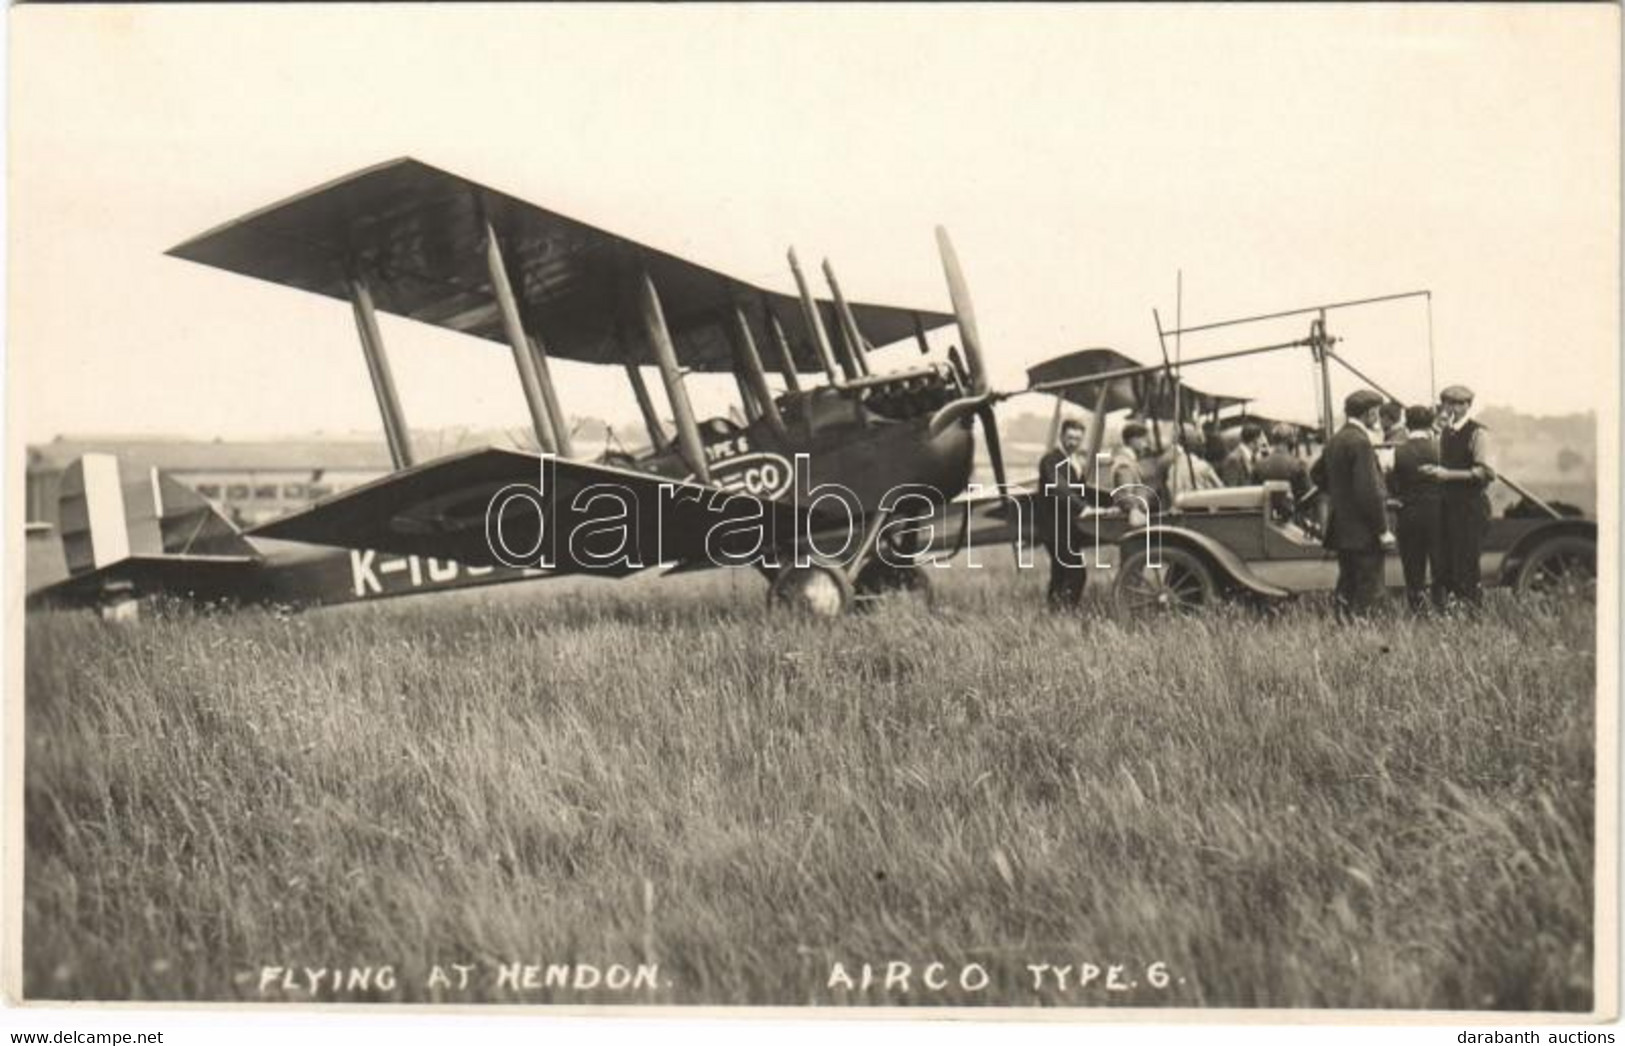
1105 381
823 485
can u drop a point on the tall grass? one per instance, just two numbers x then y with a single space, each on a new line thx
1284 811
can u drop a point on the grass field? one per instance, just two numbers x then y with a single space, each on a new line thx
1282 811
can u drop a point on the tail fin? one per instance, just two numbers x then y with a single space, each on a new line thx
128 532
44 564
110 511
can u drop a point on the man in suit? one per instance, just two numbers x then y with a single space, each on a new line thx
1464 472
1357 528
1420 526
1061 477
1238 469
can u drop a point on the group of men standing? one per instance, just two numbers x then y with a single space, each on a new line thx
1140 480
1437 480
1440 472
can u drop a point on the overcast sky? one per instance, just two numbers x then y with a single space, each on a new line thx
1081 158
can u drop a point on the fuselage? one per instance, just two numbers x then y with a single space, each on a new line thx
871 438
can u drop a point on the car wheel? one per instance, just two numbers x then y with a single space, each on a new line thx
1565 565
1178 582
817 590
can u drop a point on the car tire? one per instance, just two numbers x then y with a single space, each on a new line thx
1180 582
1561 565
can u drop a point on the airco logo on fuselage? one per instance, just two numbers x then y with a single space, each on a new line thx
760 474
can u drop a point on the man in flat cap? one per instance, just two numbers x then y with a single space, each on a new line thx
1358 525
1463 473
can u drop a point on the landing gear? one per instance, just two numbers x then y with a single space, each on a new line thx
879 579
830 589
816 590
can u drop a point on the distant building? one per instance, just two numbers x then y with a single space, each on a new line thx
250 480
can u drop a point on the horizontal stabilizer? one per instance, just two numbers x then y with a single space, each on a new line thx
416 235
196 578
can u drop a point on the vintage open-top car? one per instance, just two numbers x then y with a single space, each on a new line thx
1250 542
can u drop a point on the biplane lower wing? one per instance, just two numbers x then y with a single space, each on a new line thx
497 507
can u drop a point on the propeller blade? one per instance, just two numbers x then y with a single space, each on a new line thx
995 452
955 411
995 457
964 311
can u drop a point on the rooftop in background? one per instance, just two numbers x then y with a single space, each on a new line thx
346 451
183 455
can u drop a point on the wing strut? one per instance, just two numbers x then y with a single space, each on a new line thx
529 380
646 405
688 431
781 348
1097 423
561 431
383 384
815 322
856 347
845 354
752 378
747 398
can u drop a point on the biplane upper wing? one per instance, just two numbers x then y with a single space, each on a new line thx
501 507
417 235
1130 385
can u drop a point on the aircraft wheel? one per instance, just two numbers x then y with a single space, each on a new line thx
879 579
1180 583
817 590
1565 565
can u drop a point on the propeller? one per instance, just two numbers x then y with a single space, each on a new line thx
951 414
979 403
995 453
964 310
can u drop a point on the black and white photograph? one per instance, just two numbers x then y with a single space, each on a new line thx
1035 510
